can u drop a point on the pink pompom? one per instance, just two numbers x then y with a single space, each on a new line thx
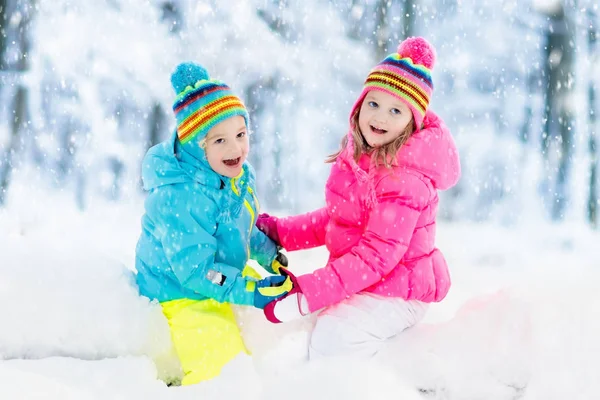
418 50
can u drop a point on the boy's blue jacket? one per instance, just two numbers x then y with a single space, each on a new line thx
197 232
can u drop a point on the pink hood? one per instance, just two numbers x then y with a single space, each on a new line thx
430 151
433 153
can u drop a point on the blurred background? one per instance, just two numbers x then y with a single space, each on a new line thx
84 92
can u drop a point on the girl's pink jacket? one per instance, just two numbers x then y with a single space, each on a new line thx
385 245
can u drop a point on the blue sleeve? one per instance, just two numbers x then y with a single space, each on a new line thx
190 250
262 249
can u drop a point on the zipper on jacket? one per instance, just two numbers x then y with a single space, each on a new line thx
250 210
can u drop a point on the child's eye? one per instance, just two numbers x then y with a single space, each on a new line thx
219 141
372 104
395 111
241 134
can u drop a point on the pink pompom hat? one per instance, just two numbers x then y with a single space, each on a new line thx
405 75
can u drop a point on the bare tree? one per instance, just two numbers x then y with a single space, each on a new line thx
3 28
355 20
156 124
409 18
382 33
20 114
384 30
559 120
524 133
171 14
592 107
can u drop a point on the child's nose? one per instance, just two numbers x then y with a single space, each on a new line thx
235 146
381 116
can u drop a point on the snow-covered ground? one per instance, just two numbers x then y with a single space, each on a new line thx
521 321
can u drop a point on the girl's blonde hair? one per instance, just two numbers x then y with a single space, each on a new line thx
385 154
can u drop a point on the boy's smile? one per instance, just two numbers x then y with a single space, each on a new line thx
232 163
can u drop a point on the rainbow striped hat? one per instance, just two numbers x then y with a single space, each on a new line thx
201 102
405 75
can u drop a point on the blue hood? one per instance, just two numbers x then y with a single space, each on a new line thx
169 163
163 165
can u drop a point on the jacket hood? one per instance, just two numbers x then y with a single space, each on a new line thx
162 166
432 152
169 163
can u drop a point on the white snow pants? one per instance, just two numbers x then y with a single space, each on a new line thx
360 325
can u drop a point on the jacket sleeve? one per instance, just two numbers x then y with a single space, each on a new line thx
303 231
262 249
384 242
190 249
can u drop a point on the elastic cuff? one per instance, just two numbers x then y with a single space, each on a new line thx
303 304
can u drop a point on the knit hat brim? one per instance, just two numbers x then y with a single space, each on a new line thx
202 102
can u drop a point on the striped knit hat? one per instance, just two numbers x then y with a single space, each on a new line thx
201 102
405 75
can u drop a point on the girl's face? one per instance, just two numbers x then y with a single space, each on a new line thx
382 118
226 146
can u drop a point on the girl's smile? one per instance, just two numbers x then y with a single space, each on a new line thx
377 130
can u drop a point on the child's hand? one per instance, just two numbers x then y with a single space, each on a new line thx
291 306
268 225
270 289
280 261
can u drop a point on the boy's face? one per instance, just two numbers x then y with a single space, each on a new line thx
383 118
226 146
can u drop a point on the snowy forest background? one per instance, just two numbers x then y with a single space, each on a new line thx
84 92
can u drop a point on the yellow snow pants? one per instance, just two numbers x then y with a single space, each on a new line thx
205 335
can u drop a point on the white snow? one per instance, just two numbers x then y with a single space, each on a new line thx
520 319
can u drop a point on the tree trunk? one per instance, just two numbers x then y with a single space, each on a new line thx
156 124
408 18
20 102
559 119
528 109
17 124
355 18
272 15
171 14
3 27
592 107
382 34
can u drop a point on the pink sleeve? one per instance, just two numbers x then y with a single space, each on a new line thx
303 231
383 244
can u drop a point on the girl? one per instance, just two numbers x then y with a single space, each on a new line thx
380 215
198 230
